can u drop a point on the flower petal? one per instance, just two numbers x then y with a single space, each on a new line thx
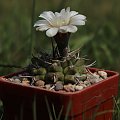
57 14
51 32
77 22
69 28
41 22
43 27
78 17
63 29
49 16
68 9
62 11
73 13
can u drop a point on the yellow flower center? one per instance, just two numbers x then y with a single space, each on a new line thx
61 22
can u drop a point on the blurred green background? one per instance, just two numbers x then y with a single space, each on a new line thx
99 38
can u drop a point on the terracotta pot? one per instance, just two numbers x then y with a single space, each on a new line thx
31 103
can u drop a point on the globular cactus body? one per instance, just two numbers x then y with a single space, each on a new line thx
65 70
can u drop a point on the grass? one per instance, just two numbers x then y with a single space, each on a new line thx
54 116
1 110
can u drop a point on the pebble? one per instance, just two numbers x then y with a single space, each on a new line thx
25 79
5 79
84 86
10 79
47 86
39 83
81 82
78 88
87 82
69 88
15 77
25 82
94 78
54 81
102 74
58 86
17 80
100 79
52 88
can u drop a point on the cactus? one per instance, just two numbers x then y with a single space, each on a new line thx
65 69
38 71
55 68
69 79
39 77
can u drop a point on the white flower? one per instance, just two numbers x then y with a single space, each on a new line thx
62 22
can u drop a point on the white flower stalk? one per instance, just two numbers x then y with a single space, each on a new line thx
63 22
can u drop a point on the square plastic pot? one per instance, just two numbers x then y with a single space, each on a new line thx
31 103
